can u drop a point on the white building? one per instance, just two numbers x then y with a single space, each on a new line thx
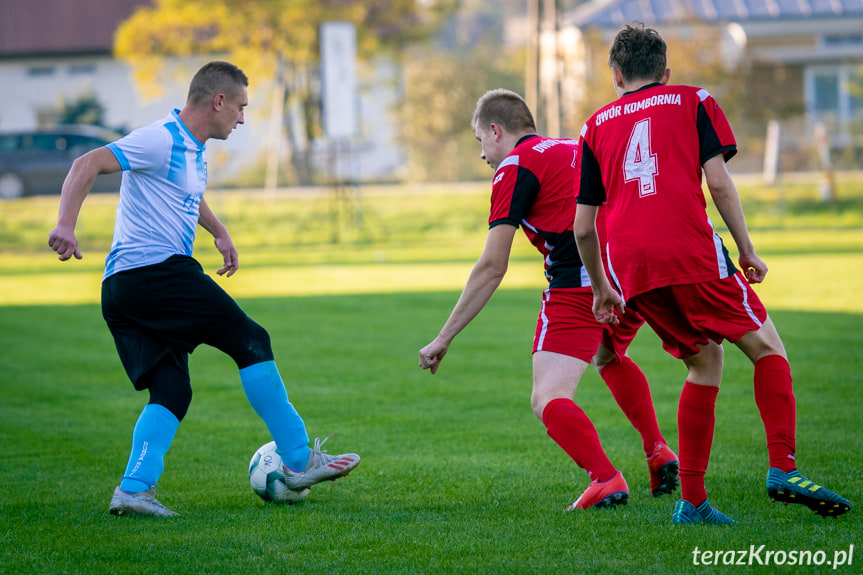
56 50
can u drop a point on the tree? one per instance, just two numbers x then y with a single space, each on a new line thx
440 93
274 41
84 109
441 82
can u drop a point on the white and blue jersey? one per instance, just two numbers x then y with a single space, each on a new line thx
164 179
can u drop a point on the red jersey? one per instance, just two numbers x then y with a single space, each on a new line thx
642 155
532 188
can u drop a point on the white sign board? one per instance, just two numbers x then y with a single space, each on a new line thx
339 79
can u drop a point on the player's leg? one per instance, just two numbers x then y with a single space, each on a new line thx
566 338
776 403
554 382
696 421
249 345
170 396
631 391
774 393
667 311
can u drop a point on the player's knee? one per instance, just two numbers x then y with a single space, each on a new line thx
255 345
705 368
176 400
170 387
761 343
537 404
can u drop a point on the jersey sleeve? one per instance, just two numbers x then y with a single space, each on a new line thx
514 191
589 189
143 149
714 131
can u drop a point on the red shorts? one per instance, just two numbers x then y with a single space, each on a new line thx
566 323
618 337
685 316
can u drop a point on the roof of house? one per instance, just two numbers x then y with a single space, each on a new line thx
52 27
616 13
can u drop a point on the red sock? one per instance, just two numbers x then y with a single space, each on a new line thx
572 430
632 393
775 400
695 422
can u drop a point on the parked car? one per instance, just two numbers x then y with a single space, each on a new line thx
36 162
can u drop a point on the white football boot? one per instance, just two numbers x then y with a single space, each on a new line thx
321 467
143 503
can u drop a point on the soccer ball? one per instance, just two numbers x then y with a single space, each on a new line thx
267 479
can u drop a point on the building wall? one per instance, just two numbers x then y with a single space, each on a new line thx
34 87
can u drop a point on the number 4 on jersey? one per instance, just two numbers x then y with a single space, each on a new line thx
639 163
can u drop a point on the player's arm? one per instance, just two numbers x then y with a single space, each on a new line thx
605 298
76 186
590 194
484 279
221 237
727 201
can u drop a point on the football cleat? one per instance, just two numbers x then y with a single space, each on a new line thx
664 467
610 493
321 467
792 487
143 503
685 513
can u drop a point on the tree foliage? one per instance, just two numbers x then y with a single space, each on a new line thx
260 36
83 109
276 42
440 93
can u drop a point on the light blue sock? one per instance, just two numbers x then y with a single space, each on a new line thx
151 439
266 392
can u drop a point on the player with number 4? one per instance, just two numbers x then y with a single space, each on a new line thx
643 156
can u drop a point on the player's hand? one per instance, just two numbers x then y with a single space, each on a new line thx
753 268
608 306
63 241
229 253
432 354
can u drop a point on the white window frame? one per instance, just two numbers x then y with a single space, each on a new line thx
837 124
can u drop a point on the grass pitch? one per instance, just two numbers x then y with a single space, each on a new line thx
457 475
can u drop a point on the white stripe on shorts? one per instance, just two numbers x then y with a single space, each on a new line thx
546 294
746 300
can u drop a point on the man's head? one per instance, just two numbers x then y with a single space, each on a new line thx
219 90
638 53
501 118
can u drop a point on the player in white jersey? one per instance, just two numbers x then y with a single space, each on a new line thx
156 299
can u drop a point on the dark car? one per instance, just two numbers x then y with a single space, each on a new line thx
36 162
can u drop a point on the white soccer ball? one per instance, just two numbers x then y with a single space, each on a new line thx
267 479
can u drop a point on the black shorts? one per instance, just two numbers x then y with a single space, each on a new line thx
169 307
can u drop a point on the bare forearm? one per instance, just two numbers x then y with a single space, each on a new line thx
481 285
727 202
587 241
208 220
728 205
591 257
76 186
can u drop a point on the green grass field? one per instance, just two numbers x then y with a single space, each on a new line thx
457 474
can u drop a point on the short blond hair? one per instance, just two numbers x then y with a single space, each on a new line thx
505 108
216 77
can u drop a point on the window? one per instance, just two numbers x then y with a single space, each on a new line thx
834 95
82 69
855 90
40 71
826 86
